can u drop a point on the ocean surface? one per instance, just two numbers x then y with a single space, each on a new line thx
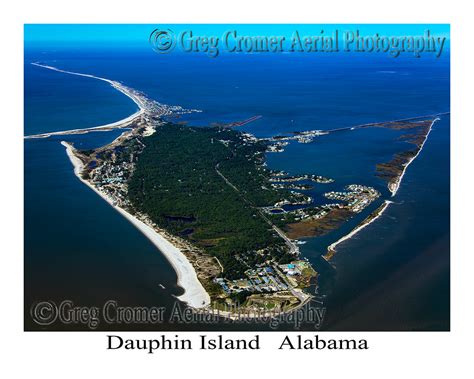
393 275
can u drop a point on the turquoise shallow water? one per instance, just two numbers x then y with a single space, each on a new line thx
393 275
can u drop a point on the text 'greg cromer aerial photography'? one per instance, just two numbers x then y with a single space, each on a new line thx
237 178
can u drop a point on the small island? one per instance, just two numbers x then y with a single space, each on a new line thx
416 133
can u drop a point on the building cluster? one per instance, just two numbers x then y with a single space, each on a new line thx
155 109
279 142
357 196
279 178
247 137
265 278
277 147
297 199
111 179
314 212
321 179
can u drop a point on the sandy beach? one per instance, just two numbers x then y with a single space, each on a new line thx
394 186
117 124
118 86
194 293
114 125
332 248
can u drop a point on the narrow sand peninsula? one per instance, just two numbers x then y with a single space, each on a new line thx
114 125
332 248
136 98
394 186
118 86
194 293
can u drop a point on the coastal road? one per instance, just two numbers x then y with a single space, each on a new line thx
293 249
301 296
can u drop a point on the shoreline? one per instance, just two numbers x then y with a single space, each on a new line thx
121 124
113 125
331 249
394 186
118 86
194 293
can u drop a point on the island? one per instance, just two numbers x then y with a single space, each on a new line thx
416 133
207 192
228 224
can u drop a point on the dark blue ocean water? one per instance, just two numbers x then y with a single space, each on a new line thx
62 101
393 275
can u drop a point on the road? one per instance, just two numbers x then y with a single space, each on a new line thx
293 249
300 295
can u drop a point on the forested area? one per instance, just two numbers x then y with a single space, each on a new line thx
176 183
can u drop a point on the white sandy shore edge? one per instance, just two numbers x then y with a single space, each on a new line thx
393 187
117 124
114 125
332 247
194 293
